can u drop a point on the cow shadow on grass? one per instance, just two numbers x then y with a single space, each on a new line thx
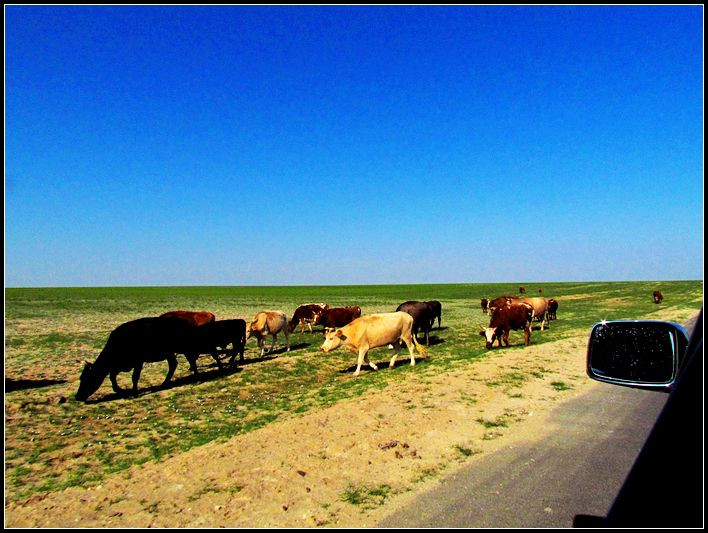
12 385
433 340
383 364
280 350
204 376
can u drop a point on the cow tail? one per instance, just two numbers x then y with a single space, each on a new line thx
421 349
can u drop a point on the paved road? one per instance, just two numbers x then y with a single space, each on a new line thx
578 469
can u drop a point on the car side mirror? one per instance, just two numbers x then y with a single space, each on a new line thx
639 353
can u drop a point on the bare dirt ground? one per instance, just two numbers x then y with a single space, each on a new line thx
347 465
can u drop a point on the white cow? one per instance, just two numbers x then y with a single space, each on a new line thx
373 331
268 323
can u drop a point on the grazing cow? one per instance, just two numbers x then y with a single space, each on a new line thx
373 331
129 346
336 317
268 323
658 297
539 304
552 308
435 312
485 305
196 318
209 337
306 315
522 290
421 317
504 319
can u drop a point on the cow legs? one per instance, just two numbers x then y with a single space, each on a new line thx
216 358
136 376
397 347
272 345
410 344
287 338
192 358
527 334
114 383
363 356
171 367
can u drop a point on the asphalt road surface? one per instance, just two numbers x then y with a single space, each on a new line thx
577 469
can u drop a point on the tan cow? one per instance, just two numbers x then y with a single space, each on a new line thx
268 323
540 308
373 331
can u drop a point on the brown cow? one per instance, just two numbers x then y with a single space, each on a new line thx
552 308
504 319
485 305
539 304
373 331
522 290
306 315
336 317
268 323
196 318
658 297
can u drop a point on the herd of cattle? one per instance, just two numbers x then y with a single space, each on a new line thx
192 334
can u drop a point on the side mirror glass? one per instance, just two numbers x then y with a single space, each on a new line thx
640 353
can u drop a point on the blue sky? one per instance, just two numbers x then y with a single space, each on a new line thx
276 145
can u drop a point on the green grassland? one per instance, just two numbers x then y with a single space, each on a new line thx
52 441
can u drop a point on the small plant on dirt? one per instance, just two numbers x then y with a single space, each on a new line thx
560 386
464 451
500 421
366 497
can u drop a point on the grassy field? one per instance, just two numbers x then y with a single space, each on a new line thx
52 441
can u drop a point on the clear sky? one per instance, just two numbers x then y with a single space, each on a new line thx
243 145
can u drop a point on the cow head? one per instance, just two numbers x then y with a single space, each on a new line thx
89 381
490 334
333 340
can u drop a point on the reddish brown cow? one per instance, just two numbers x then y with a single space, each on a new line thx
306 315
658 297
552 308
504 319
337 317
196 318
485 305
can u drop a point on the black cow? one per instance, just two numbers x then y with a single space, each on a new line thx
129 346
435 312
421 313
504 319
485 305
209 337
